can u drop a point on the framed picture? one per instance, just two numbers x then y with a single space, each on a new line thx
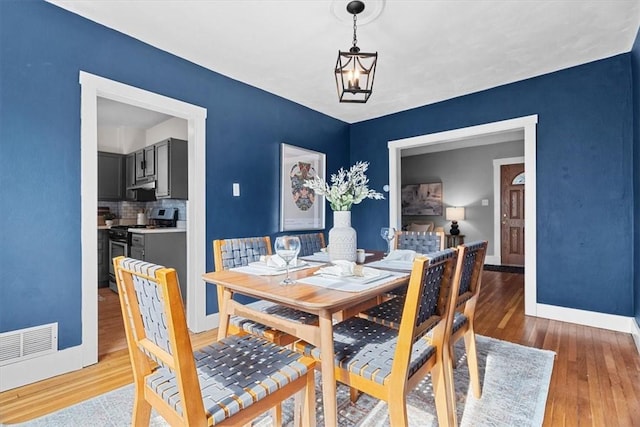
300 207
422 199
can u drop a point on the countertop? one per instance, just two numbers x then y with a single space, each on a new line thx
157 230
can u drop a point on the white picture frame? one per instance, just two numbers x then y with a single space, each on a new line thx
300 207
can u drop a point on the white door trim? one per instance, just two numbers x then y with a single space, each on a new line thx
496 259
92 87
528 124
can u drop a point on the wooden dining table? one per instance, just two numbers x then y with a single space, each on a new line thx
328 304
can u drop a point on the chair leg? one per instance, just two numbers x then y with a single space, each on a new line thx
309 402
398 410
141 410
276 414
441 376
354 393
452 352
472 362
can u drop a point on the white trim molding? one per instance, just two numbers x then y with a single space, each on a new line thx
39 368
611 322
526 124
92 87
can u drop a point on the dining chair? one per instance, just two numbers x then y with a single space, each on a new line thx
310 243
230 253
388 363
470 264
423 242
228 383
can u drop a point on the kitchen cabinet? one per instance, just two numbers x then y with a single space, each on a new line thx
130 176
110 176
163 248
172 163
145 165
103 258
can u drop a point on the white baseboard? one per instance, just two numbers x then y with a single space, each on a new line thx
40 368
492 260
611 322
636 335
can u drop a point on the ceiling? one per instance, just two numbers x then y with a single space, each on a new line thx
429 50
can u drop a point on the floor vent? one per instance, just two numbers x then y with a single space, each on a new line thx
16 346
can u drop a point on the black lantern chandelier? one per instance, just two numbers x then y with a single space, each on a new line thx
354 69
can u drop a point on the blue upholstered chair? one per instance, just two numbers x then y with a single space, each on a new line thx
230 253
227 383
471 261
388 363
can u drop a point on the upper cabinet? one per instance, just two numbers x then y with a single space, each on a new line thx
145 164
172 169
110 176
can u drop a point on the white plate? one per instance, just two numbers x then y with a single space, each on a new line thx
357 279
299 263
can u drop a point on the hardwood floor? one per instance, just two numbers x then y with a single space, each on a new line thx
595 381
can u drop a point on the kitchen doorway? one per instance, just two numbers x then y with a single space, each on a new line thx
92 87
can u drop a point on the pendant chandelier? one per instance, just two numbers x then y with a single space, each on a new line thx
354 69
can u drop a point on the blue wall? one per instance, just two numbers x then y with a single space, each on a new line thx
584 185
635 67
42 51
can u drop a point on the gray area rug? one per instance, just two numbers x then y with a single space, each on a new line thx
515 382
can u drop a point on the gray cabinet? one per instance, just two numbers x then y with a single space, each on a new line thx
145 164
103 258
110 176
172 164
163 248
130 176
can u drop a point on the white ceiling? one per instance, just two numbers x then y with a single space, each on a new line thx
429 50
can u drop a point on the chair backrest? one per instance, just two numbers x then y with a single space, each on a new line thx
311 243
429 305
473 255
230 253
422 242
156 329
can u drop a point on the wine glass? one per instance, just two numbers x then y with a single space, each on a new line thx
287 248
388 234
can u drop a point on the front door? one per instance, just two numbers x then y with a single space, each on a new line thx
512 214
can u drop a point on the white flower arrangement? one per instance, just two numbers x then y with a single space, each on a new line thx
347 187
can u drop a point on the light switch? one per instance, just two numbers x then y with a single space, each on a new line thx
236 189
485 202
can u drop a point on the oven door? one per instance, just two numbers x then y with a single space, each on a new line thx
116 249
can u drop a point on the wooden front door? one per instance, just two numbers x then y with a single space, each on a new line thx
512 214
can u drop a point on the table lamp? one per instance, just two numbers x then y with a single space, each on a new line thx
454 215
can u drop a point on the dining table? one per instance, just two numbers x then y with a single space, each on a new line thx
329 303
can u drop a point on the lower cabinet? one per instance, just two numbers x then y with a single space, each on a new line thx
163 248
103 258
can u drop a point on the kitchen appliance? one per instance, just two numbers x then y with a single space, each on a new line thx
120 236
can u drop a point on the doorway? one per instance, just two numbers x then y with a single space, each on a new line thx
527 125
512 190
92 87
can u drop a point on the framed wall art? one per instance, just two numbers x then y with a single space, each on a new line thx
422 199
300 207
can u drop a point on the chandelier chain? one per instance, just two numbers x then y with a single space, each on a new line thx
355 39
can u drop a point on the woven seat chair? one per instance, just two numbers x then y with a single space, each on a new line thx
387 363
228 383
423 242
230 253
310 243
471 260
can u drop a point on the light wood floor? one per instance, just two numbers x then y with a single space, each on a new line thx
595 381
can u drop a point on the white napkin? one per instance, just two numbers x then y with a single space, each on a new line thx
401 255
342 268
273 261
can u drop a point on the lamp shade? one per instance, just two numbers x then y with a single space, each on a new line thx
454 214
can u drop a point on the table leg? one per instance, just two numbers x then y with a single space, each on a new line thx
328 372
223 325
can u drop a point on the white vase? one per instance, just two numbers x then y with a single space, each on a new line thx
342 237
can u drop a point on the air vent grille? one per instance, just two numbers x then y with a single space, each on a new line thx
22 344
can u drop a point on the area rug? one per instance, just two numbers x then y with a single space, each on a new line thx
515 382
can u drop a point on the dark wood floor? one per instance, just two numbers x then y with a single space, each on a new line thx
595 381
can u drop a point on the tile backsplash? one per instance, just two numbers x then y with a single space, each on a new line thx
128 210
